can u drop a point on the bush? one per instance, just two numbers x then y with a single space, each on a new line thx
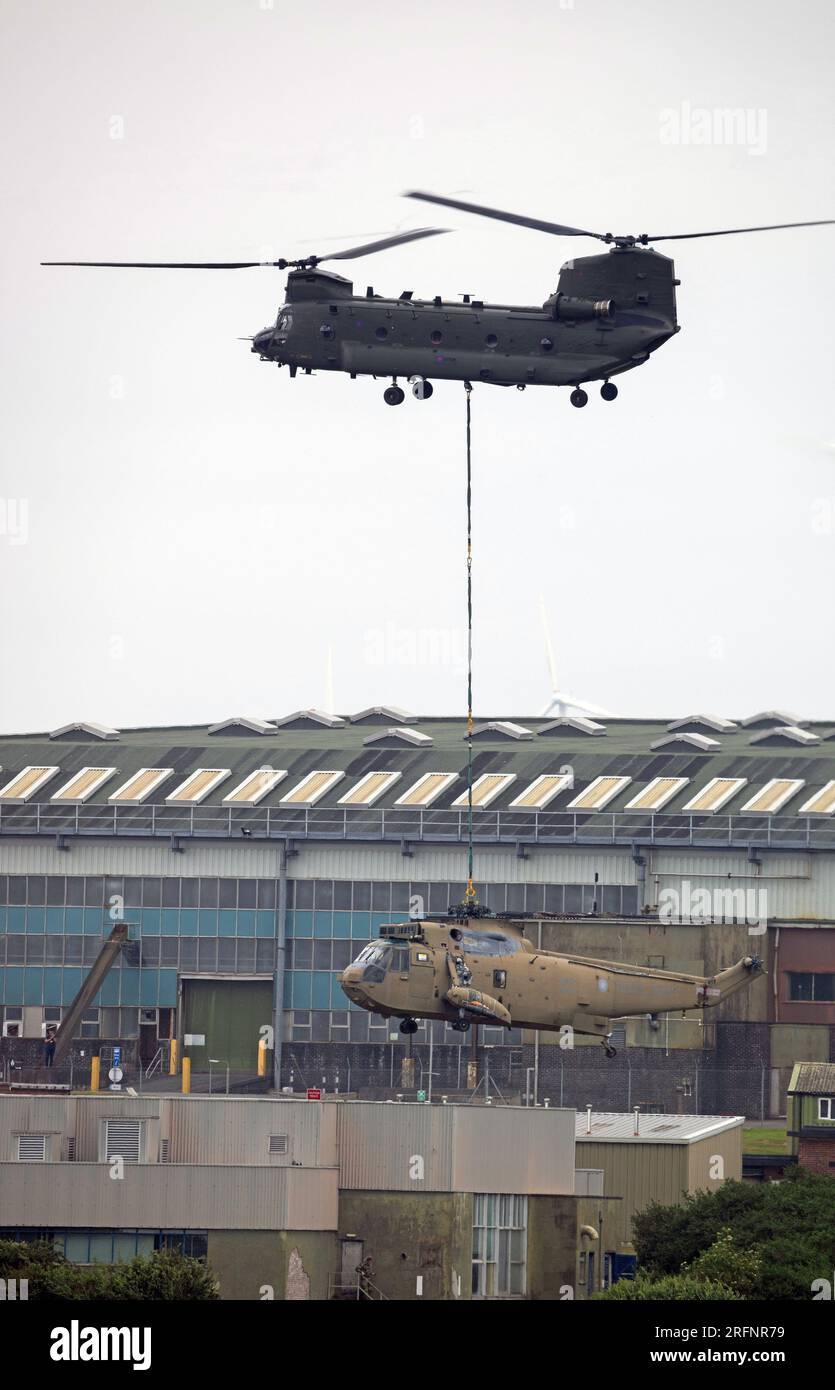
165 1275
669 1288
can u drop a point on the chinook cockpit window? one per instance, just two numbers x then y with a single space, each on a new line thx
487 944
285 322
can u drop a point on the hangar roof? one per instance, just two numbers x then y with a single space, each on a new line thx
720 790
619 1127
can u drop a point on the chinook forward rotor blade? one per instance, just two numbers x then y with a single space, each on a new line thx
397 239
555 228
737 231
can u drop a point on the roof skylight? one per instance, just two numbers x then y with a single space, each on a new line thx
715 794
82 785
198 784
255 787
598 793
427 789
486 788
656 794
312 788
369 788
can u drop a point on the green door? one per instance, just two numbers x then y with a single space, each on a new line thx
230 1014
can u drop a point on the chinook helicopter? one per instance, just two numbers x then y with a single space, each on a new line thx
471 970
607 316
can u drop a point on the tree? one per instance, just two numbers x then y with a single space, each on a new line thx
791 1224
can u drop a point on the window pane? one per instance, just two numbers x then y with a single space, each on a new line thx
824 987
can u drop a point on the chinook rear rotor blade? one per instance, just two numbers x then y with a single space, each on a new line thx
555 228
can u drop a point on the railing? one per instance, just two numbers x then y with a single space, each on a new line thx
401 823
355 1289
158 1063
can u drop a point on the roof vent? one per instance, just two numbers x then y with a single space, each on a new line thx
83 730
784 736
701 724
767 719
383 714
305 718
700 741
239 725
571 724
501 728
393 737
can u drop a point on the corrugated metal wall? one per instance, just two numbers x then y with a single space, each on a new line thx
199 1129
160 1197
455 1148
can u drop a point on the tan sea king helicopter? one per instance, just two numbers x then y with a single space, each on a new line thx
474 968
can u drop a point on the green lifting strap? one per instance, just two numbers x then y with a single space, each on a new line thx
470 896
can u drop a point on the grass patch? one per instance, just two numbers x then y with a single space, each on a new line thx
764 1141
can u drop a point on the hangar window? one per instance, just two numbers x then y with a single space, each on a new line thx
713 797
198 784
543 790
822 803
773 796
486 788
656 794
139 787
311 788
26 783
83 784
427 789
598 793
255 787
811 987
369 789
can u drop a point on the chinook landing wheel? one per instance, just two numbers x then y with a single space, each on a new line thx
421 388
394 395
609 391
409 1025
579 398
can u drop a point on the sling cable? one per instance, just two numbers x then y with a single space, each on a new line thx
470 899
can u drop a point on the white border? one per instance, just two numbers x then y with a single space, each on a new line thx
821 792
117 798
665 796
105 773
794 785
220 774
449 777
383 787
502 786
563 780
290 797
737 783
620 783
274 776
30 791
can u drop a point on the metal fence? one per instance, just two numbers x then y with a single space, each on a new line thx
399 823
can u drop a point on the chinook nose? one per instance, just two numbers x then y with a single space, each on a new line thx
262 341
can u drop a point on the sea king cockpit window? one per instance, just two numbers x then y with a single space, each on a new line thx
375 959
399 963
487 944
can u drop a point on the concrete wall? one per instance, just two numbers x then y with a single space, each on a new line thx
283 1265
408 1234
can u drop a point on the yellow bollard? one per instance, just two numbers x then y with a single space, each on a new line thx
186 1076
262 1057
95 1067
172 1060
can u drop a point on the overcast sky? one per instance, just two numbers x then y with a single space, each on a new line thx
185 532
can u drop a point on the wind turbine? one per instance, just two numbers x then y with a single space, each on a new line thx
562 704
